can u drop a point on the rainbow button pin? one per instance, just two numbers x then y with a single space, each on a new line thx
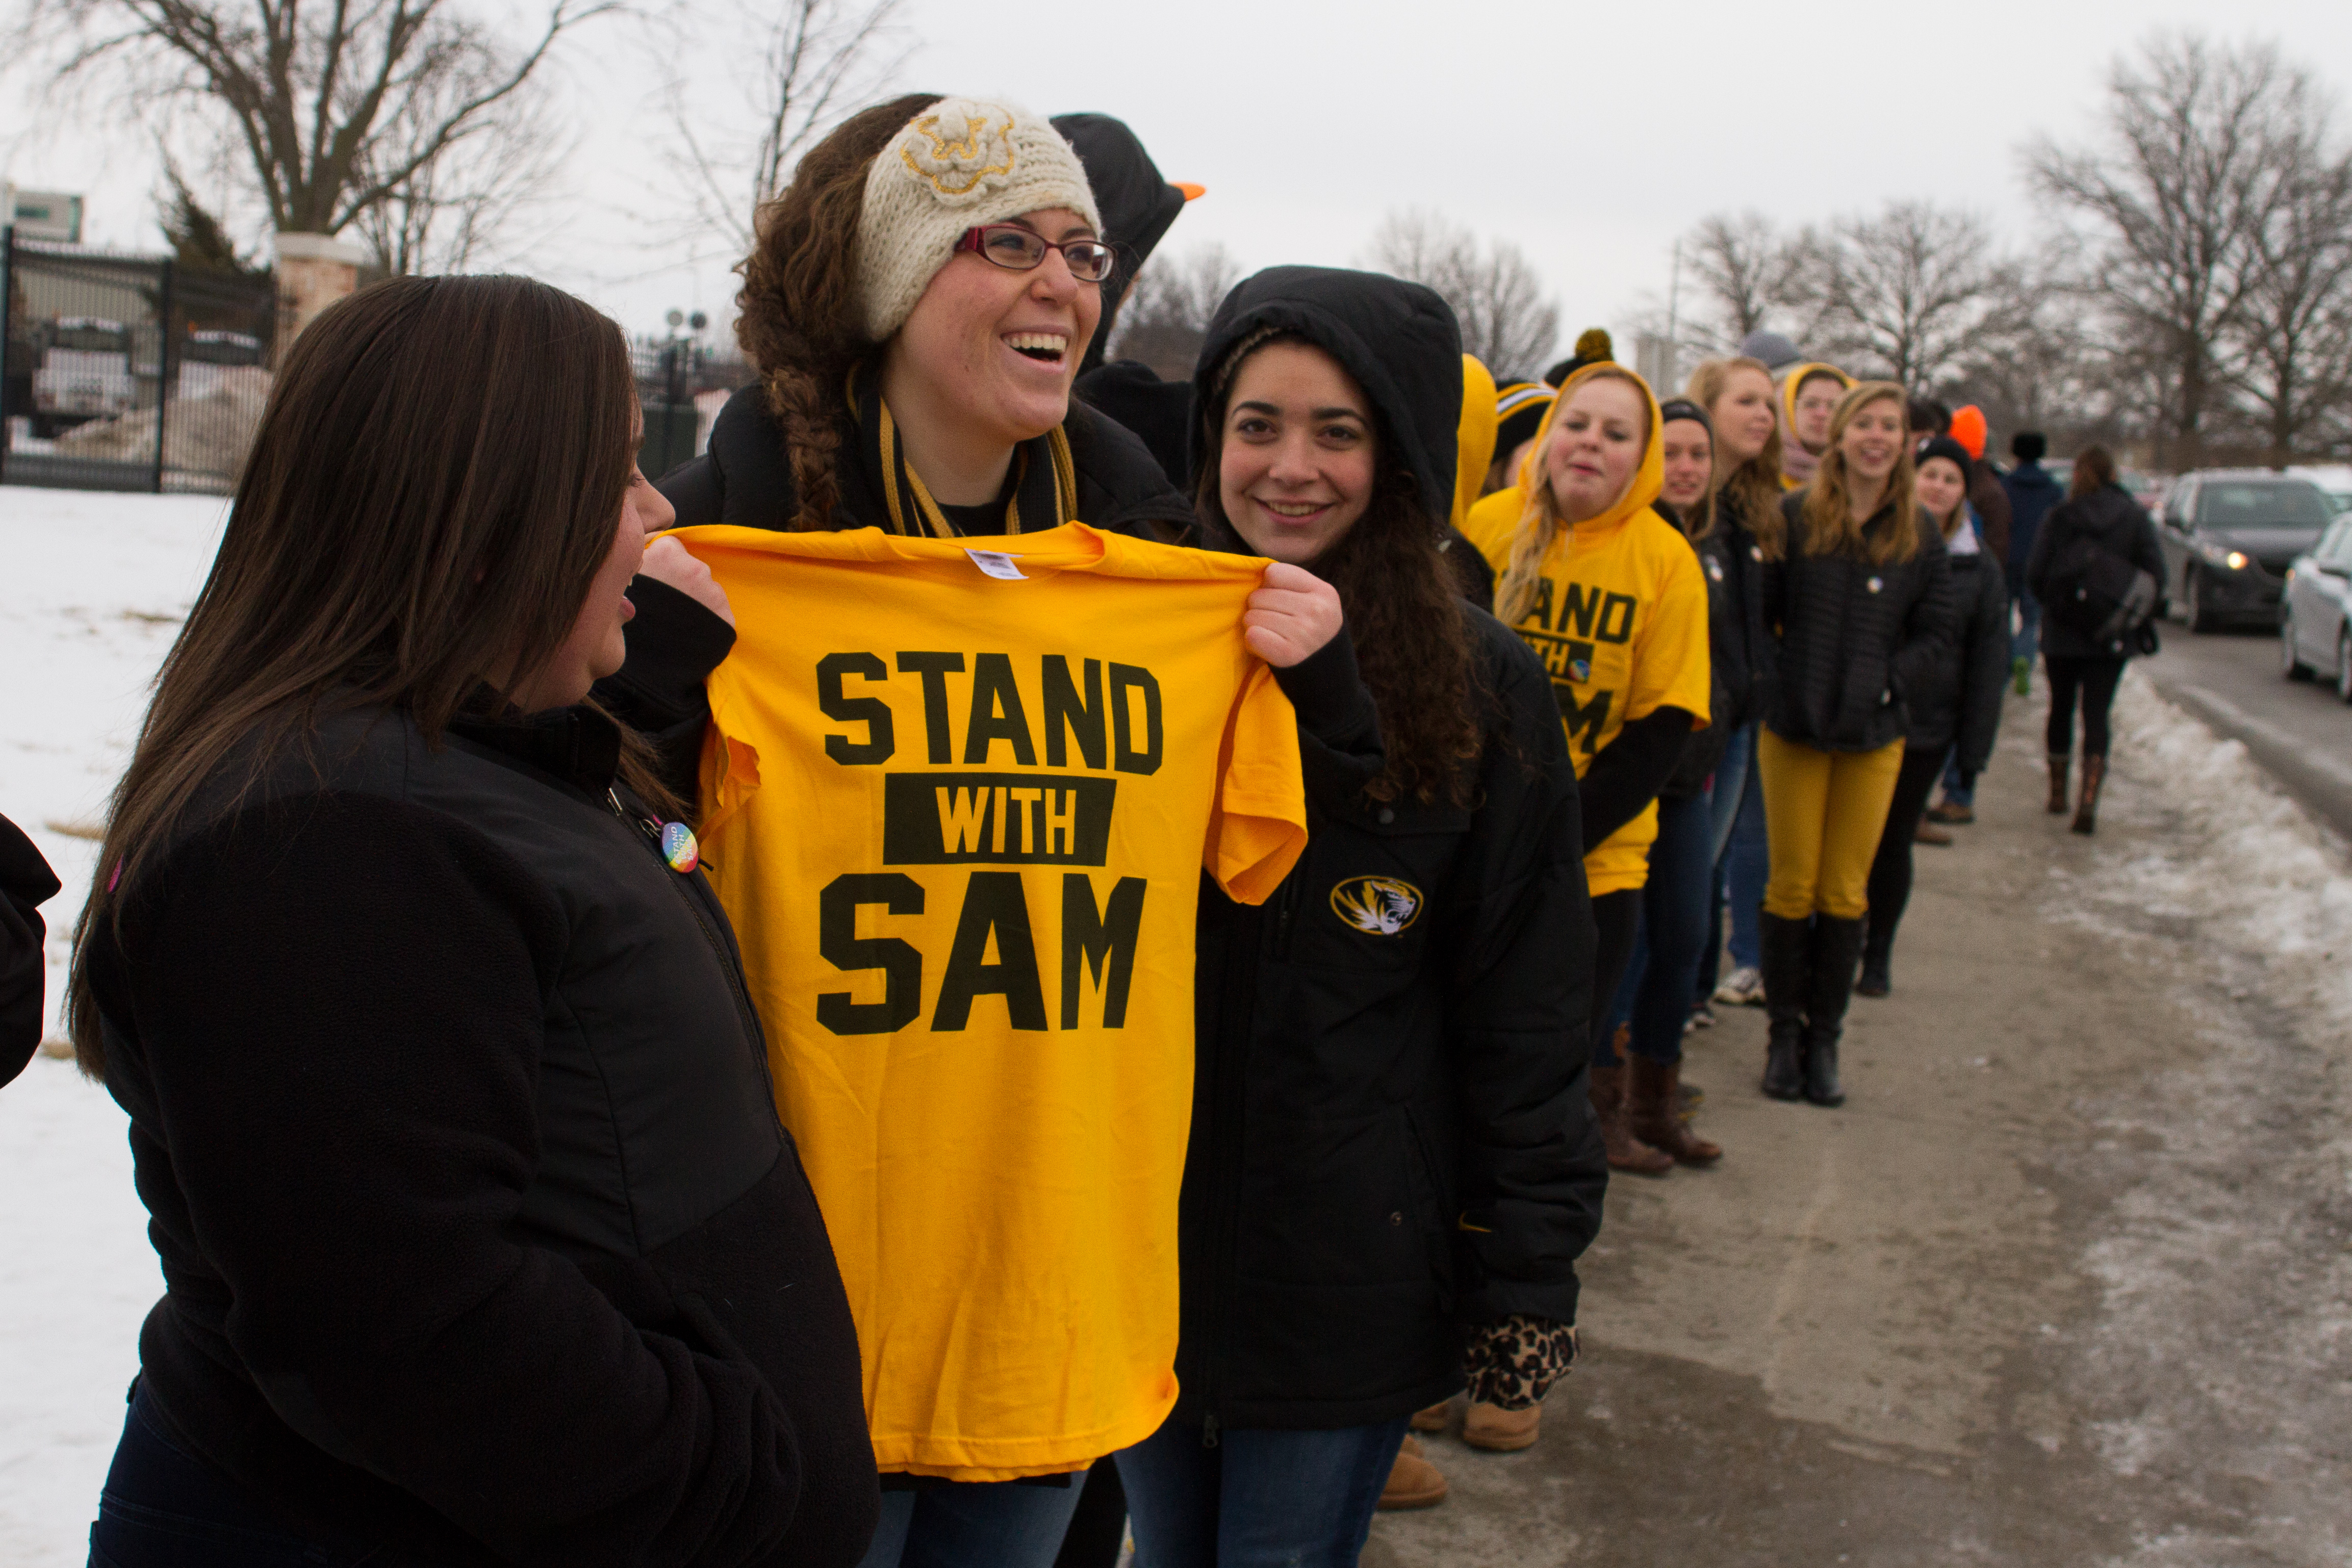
678 848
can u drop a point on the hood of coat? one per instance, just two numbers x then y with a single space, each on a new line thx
2033 477
1649 479
1137 206
1398 340
1474 438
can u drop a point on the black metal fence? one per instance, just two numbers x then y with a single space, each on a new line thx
129 372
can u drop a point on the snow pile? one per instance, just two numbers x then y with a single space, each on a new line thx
96 587
2227 850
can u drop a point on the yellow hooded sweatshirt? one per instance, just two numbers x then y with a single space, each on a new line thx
1473 441
1797 465
1618 617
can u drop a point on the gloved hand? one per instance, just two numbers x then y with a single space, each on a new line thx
1512 1363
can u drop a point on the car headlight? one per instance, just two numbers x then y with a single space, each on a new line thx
2220 556
2235 561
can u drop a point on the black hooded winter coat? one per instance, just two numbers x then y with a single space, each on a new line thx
2118 524
25 884
1390 1133
1138 205
1957 695
1854 637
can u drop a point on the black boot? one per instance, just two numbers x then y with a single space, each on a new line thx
1787 950
1878 964
1837 944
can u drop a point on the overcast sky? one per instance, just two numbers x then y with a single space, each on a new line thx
1591 135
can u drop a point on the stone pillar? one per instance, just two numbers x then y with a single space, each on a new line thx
313 272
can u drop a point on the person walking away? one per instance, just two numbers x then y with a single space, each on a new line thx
1744 408
1611 596
25 884
480 1239
1392 1167
916 314
1654 1000
1139 206
2097 525
2033 492
1954 709
1857 599
1809 395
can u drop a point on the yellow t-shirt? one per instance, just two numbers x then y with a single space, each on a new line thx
1620 620
957 801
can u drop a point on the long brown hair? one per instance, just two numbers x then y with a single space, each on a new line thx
797 311
1752 491
1828 509
437 476
1541 523
2095 468
1403 608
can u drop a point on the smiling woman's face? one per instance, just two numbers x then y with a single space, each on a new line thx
1595 446
1872 440
1000 347
1296 468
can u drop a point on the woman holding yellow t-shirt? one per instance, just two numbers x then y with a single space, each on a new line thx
1609 594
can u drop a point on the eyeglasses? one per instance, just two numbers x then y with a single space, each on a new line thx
1017 249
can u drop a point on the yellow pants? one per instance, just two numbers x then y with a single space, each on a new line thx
1823 814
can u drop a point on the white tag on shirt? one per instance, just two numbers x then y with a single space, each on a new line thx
997 564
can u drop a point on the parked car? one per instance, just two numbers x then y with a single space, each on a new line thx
85 373
2334 478
2229 536
2316 610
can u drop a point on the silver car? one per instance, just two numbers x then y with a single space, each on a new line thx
2315 610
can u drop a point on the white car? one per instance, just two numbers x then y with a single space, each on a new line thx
2316 610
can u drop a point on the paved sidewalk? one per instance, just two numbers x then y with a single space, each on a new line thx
2065 1281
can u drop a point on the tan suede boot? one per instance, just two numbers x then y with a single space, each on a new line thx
2087 811
1435 1418
1501 1431
1414 1481
2059 762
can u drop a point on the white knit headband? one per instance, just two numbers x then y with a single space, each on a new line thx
961 163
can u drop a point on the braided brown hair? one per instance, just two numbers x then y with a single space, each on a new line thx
797 311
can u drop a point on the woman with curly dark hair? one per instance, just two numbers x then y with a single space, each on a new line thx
1392 1167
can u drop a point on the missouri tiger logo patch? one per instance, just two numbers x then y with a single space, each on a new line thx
1376 905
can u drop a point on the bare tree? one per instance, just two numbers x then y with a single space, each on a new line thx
336 109
2190 175
1905 291
794 69
1165 320
454 209
1506 320
1749 277
2292 341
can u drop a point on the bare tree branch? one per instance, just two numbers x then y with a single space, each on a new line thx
1165 320
1903 293
1506 320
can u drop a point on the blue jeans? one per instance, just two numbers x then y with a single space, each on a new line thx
973 1524
1743 860
1260 1498
1955 791
1655 995
162 1507
2026 641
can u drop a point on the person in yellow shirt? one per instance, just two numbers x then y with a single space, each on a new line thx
1809 395
1609 594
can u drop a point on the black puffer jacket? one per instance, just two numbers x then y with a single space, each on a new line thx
1957 695
1853 637
1390 1133
746 479
2110 519
479 1232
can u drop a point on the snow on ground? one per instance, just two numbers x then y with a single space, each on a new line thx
95 587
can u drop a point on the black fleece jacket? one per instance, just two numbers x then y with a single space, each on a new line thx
2109 518
1958 694
1854 636
479 1235
25 884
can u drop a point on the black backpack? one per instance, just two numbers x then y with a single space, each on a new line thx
2100 594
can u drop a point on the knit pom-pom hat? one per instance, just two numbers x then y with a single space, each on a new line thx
961 163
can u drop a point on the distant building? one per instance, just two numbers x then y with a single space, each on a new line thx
43 215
